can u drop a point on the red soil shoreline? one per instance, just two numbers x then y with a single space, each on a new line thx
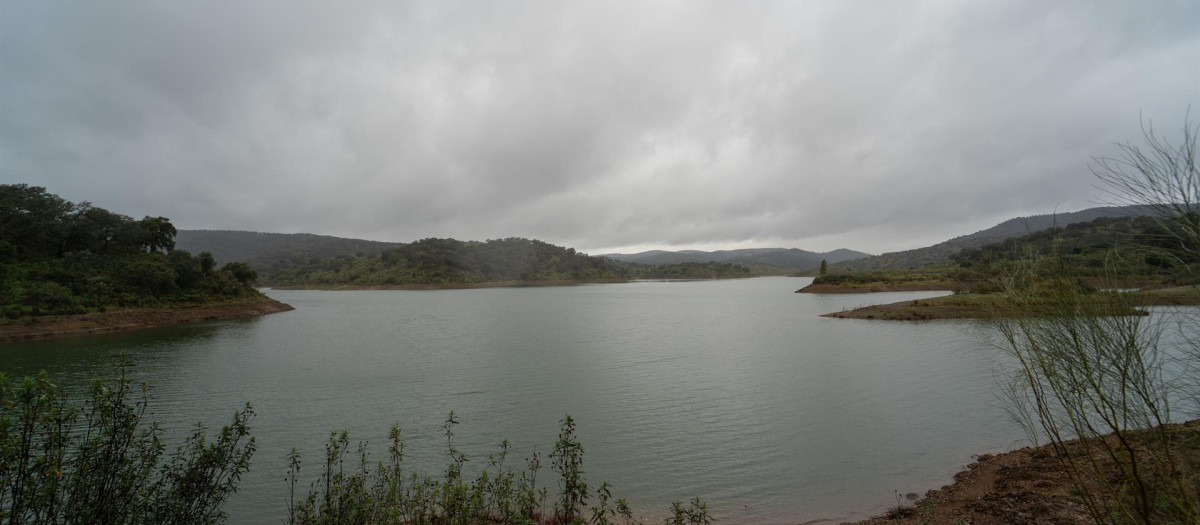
119 320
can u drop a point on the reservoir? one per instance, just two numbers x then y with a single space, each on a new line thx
736 391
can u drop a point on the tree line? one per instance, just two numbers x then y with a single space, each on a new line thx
60 257
450 261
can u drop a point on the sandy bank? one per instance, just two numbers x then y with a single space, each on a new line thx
117 320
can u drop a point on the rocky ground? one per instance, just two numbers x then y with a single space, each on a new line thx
1026 486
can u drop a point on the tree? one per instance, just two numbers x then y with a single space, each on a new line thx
1161 174
242 272
207 262
824 268
157 232
1113 381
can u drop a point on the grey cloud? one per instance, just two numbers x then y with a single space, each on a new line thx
869 125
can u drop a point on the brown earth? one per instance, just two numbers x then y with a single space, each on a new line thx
116 320
1026 486
958 306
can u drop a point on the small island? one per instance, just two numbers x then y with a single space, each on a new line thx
71 269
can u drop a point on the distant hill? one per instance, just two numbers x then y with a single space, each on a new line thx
302 259
780 257
263 250
1011 228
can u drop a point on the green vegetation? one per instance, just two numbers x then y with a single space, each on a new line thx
940 273
780 260
1105 380
449 261
453 262
102 462
1113 382
57 257
1121 251
386 493
943 251
267 250
1126 247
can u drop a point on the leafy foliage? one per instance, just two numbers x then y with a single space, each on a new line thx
351 490
103 462
1017 227
57 257
1129 246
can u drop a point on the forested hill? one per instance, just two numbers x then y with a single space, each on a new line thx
791 258
1139 246
1011 228
263 250
454 262
59 257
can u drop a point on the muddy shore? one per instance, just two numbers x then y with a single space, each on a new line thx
1023 487
982 305
123 319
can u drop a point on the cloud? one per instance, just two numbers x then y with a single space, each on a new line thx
869 125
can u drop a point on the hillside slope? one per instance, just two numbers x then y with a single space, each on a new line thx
263 250
1011 228
780 257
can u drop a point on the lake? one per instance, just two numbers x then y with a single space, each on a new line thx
733 390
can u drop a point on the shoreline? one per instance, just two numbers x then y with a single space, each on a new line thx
882 286
445 286
126 319
494 284
1027 485
984 305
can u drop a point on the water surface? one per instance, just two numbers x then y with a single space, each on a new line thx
735 390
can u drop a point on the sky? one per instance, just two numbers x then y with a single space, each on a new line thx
604 126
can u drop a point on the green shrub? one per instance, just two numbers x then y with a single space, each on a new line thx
102 462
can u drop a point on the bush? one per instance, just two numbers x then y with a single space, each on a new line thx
387 494
50 298
103 463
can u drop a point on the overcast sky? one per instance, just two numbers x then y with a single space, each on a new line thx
603 125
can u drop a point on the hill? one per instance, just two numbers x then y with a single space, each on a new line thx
1011 228
264 250
453 263
791 258
1132 246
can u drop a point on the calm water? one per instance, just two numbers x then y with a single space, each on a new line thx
735 391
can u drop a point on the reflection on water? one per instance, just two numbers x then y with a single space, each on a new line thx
736 390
